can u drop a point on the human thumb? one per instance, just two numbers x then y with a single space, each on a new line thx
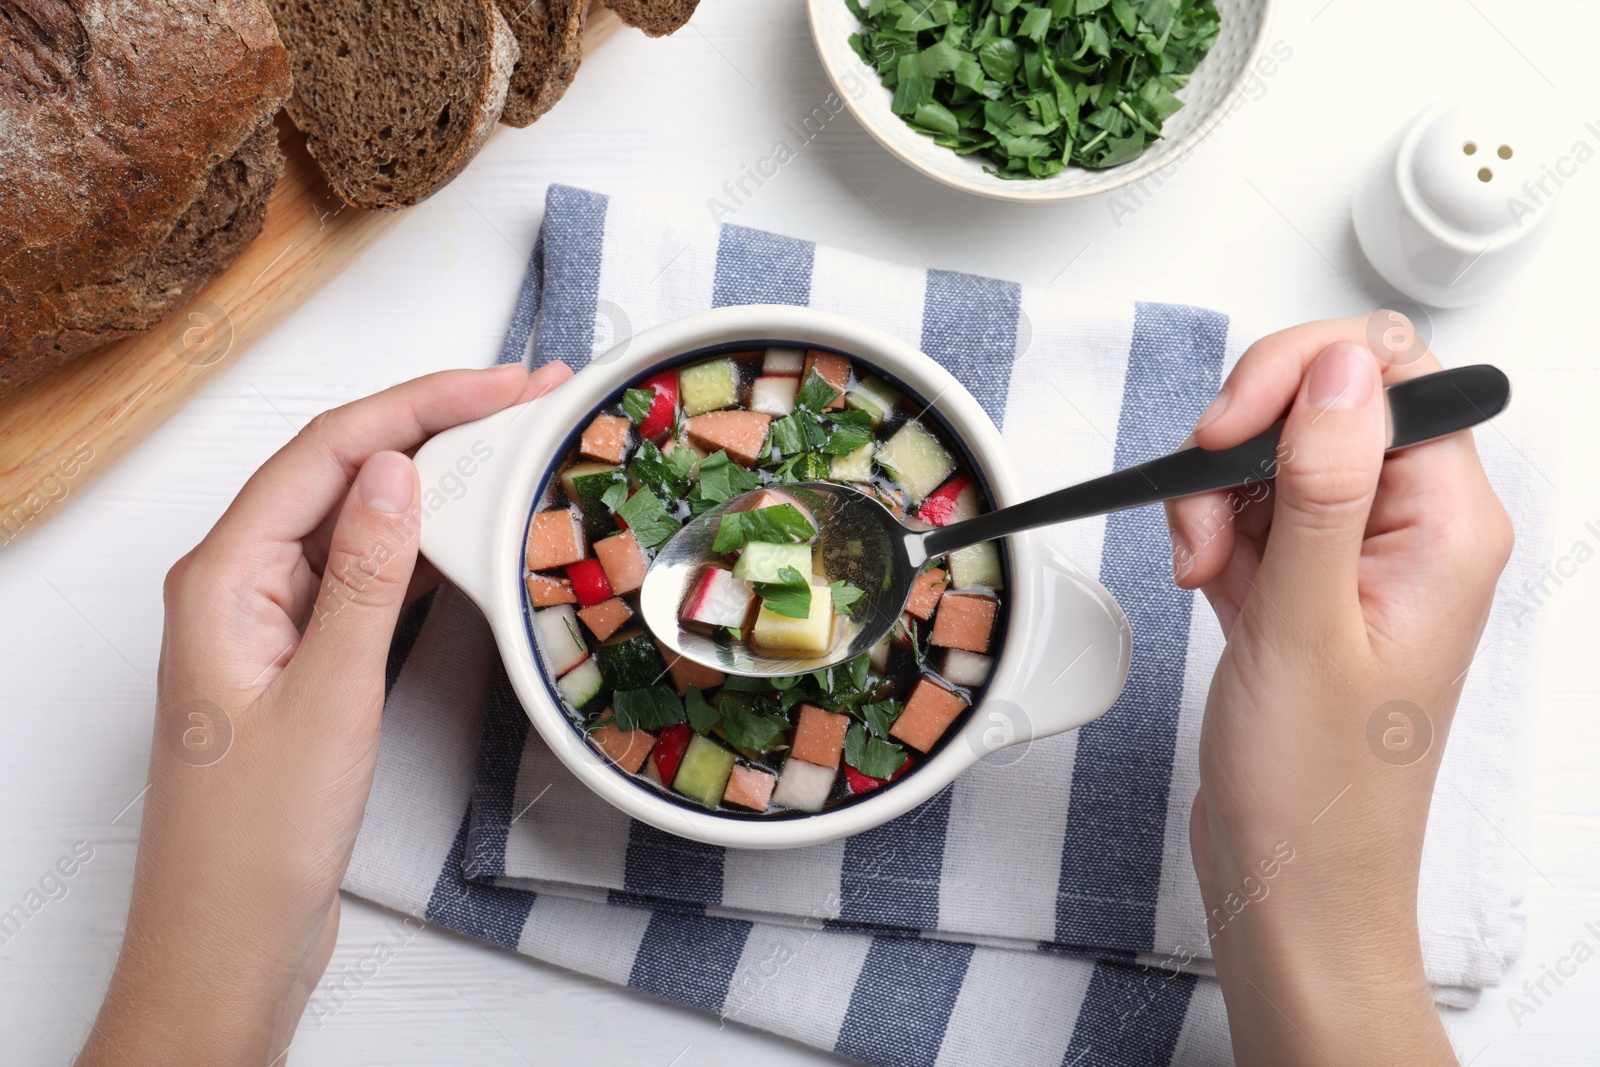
1328 465
371 555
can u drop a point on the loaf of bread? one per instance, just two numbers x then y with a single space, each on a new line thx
655 17
395 97
550 37
137 153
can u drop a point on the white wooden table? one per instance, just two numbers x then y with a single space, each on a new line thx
1255 222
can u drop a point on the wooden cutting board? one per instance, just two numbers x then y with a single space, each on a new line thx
59 432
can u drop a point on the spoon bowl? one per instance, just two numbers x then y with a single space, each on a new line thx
860 541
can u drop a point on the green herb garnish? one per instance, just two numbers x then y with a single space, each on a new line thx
667 478
851 430
815 393
790 597
872 756
780 524
880 716
845 596
702 716
797 432
1035 87
646 709
647 517
720 479
637 403
746 727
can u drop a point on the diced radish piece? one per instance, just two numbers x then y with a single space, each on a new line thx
774 395
623 561
718 599
669 749
664 408
819 736
581 684
708 386
743 434
626 748
925 593
784 361
557 630
976 565
831 368
589 583
860 783
954 501
966 668
555 539
546 591
606 618
804 786
606 439
929 712
749 787
965 620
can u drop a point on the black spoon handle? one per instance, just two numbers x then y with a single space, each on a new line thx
1419 410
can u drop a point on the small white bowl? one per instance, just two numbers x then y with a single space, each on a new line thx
1062 661
1207 99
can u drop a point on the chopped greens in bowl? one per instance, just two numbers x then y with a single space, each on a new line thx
1036 87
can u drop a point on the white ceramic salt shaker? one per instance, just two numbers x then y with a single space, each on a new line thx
1457 202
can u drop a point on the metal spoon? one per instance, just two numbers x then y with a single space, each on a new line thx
864 544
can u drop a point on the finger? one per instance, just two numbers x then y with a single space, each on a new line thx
1267 377
370 563
1328 466
1201 530
546 378
294 490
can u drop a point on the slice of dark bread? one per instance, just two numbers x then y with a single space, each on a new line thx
137 153
655 17
550 36
395 97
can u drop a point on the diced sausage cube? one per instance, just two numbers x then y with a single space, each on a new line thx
749 788
833 369
686 672
605 618
819 737
626 748
925 593
546 591
623 562
555 539
743 434
929 712
605 439
966 620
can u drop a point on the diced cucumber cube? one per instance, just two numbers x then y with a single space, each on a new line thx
852 466
976 565
761 561
630 661
917 460
708 386
585 484
581 685
704 771
874 396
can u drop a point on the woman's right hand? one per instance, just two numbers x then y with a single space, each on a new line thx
1352 592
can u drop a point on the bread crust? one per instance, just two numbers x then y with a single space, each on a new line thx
115 117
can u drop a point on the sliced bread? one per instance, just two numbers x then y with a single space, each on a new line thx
137 153
550 36
395 98
655 17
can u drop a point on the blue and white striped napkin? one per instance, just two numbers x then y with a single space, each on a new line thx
1040 910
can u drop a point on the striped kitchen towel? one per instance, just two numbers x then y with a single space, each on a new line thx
1040 910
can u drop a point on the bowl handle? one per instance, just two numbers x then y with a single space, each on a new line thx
468 476
1075 661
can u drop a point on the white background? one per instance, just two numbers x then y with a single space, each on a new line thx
1256 222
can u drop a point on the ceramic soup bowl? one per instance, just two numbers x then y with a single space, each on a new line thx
1060 661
